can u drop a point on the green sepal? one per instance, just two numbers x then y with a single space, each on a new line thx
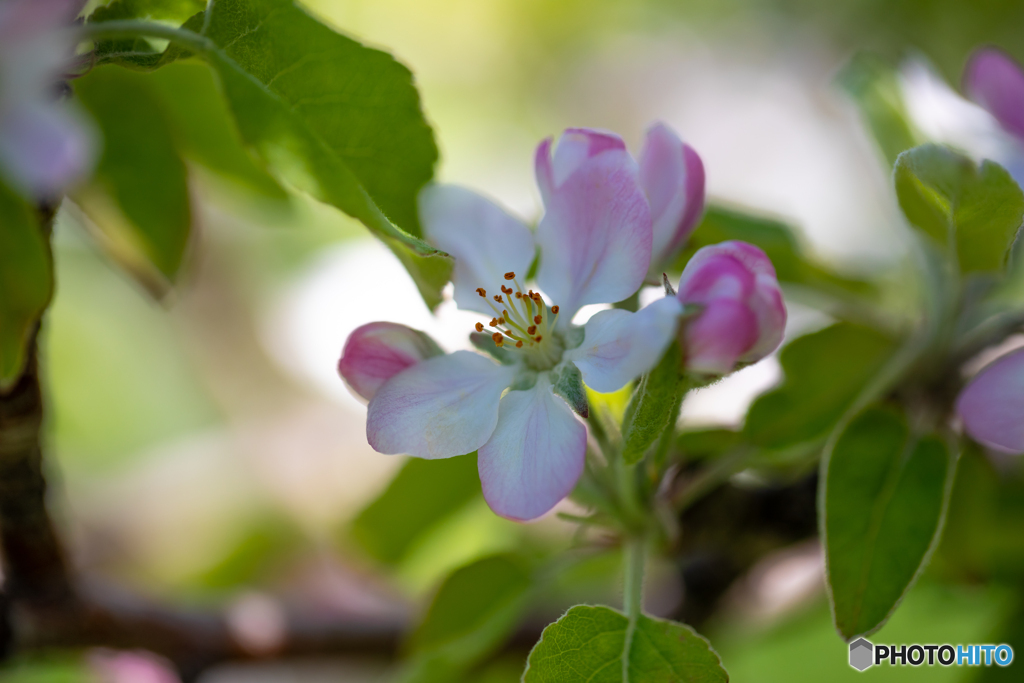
568 383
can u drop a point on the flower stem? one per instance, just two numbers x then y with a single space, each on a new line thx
130 28
634 554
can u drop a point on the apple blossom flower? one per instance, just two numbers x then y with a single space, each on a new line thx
995 80
672 176
743 314
513 405
45 144
991 404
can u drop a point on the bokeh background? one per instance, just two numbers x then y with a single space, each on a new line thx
204 449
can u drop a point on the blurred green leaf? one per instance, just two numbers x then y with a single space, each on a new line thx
1010 632
203 124
824 371
698 444
588 645
266 545
985 524
475 609
424 493
652 405
139 195
332 117
974 210
885 495
777 239
26 281
874 87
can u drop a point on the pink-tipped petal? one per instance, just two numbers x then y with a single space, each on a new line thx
441 407
376 352
619 346
992 404
595 236
45 148
672 176
485 240
995 81
535 456
770 309
719 337
744 315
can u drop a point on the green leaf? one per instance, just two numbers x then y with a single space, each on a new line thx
569 385
205 128
139 195
475 609
26 282
332 117
653 404
974 210
885 495
422 494
779 243
824 371
594 645
875 88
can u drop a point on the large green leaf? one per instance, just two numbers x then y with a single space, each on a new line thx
476 608
875 88
595 645
203 124
885 496
652 405
138 52
974 211
824 371
26 281
422 494
140 173
328 115
778 241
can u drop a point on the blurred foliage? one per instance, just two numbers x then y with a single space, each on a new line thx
26 281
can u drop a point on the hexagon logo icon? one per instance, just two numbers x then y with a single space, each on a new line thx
861 654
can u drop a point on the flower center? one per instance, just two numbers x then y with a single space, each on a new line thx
525 324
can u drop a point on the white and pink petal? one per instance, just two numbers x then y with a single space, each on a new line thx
485 240
672 176
619 346
438 408
992 404
535 455
595 235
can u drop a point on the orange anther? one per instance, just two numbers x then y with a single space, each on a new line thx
501 321
519 295
479 327
481 291
510 275
537 319
532 329
497 298
494 322
497 338
554 309
519 344
537 338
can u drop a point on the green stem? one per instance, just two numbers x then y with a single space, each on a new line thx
635 552
129 28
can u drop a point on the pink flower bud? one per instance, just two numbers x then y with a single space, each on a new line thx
743 314
672 176
992 404
376 352
996 82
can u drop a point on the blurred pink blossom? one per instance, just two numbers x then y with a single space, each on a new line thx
45 143
138 666
991 405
